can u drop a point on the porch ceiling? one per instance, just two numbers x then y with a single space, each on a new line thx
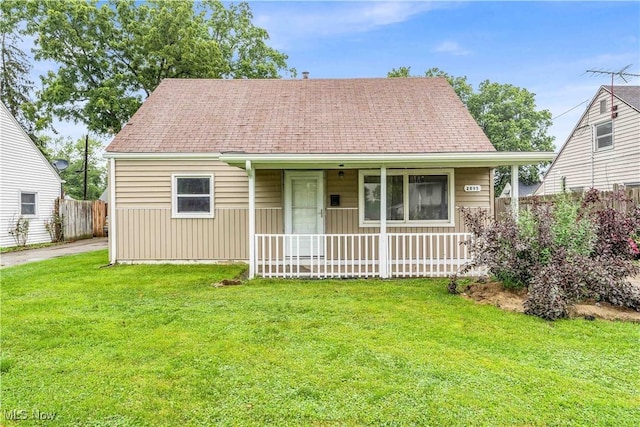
357 161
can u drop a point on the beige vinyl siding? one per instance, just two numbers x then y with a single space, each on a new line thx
269 189
147 183
269 221
151 234
147 232
609 166
346 187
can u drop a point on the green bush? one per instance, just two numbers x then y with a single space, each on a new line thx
562 252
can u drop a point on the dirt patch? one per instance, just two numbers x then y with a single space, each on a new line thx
493 293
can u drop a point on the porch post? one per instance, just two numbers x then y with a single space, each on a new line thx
252 219
515 191
384 273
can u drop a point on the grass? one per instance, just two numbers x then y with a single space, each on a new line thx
159 345
8 249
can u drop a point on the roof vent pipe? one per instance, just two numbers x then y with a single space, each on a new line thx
305 75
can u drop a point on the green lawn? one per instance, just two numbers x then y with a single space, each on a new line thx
159 345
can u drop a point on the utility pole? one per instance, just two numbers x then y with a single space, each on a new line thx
86 164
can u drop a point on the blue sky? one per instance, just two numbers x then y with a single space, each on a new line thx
545 47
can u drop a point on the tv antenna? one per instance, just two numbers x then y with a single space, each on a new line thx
622 73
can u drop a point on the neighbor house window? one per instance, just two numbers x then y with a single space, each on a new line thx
414 197
28 204
603 106
604 135
192 196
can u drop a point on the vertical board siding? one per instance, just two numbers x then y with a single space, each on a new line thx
151 234
269 221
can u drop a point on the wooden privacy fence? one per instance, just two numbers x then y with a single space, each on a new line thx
99 211
503 204
82 219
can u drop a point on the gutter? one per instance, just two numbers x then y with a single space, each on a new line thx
467 159
161 156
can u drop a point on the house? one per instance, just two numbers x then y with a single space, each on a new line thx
287 176
604 147
523 189
29 185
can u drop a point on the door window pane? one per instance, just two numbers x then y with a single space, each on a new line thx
304 205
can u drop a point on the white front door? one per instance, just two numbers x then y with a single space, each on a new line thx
303 211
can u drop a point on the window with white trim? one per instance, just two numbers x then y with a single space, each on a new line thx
415 197
604 135
28 204
192 195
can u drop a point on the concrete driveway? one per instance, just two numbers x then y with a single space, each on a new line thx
31 255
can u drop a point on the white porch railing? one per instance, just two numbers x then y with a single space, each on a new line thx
357 255
426 254
317 255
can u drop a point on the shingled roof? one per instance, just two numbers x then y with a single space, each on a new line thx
307 116
629 94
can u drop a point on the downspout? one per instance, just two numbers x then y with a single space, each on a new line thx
252 219
112 212
593 149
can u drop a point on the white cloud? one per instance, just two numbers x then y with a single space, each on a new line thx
288 24
452 48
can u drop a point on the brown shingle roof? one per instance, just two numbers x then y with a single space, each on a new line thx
629 94
400 115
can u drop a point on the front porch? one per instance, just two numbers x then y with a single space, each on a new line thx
322 256
326 216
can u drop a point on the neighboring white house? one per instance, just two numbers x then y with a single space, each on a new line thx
604 147
29 185
523 190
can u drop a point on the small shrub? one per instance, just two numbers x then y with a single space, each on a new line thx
54 227
562 252
19 230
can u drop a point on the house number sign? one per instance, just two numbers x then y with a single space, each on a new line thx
472 188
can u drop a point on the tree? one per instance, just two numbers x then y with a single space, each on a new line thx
73 152
112 55
16 86
508 116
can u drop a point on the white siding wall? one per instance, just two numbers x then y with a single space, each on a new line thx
23 168
583 167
